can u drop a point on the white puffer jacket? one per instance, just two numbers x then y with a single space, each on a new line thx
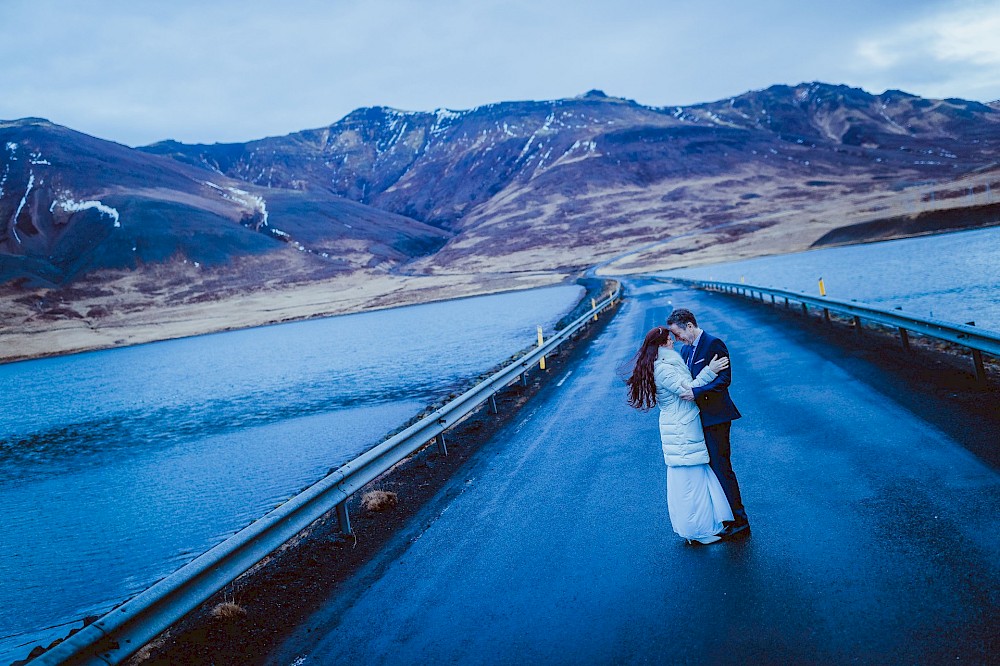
681 434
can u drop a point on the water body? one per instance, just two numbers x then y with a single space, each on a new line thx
954 277
117 467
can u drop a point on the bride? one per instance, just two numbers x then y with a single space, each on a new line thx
695 500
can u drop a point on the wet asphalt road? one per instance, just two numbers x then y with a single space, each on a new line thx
875 534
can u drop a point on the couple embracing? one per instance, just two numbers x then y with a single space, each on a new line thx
691 387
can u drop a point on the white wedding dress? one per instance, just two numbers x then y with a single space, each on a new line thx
696 503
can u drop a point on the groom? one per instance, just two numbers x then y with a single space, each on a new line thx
717 409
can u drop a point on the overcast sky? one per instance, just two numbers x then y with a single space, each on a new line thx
137 71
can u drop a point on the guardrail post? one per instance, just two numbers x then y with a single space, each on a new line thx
977 361
442 445
904 337
787 305
344 519
857 324
493 403
805 309
772 299
826 314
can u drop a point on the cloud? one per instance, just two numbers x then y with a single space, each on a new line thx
953 51
234 70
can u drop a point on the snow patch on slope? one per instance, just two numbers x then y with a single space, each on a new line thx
251 201
24 199
443 118
71 205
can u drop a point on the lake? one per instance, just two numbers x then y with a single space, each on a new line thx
117 467
954 277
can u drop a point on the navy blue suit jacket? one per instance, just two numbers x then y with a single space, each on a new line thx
712 399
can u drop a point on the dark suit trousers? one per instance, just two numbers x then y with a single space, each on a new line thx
717 440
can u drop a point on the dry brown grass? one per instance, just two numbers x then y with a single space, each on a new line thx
379 500
149 649
228 610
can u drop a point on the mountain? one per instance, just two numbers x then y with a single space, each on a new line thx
515 186
71 204
562 184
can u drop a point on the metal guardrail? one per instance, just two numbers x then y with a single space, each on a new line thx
121 632
978 340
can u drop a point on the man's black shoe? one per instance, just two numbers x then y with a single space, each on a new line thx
735 531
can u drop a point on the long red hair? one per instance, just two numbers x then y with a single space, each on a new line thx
642 384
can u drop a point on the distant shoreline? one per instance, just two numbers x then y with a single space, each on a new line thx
47 339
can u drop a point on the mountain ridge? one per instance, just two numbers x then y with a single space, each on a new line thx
72 204
583 177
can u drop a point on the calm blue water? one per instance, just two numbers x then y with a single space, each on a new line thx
954 277
117 467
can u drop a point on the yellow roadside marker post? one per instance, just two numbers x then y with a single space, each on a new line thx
593 305
541 341
822 292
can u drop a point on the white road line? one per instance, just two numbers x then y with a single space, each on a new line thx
525 421
564 378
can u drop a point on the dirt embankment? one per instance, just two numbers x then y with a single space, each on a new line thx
241 624
902 226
